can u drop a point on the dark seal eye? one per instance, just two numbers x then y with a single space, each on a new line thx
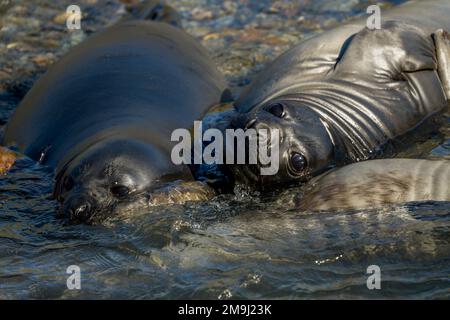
68 183
120 191
298 162
277 109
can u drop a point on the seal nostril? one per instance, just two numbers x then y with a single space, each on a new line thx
81 209
80 213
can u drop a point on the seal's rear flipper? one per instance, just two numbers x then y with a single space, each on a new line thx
442 42
155 10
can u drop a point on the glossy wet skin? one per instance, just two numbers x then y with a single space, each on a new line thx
101 118
371 87
306 145
108 176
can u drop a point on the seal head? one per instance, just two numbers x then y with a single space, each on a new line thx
95 183
306 144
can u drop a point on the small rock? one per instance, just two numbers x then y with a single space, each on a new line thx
251 34
274 40
342 6
130 2
12 45
230 6
7 159
61 18
212 36
42 60
201 14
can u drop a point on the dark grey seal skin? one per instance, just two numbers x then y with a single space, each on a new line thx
341 96
376 184
102 116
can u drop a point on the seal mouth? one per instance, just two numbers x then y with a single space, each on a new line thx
85 213
246 173
85 206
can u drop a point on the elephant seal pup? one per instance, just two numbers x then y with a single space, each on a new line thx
341 96
103 116
377 183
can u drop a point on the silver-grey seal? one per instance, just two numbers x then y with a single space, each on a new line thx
339 97
103 116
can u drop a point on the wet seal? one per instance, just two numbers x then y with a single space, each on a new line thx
376 184
342 96
102 116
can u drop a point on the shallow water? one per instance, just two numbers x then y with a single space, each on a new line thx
239 246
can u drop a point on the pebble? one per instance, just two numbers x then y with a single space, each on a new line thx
61 18
43 60
201 14
7 159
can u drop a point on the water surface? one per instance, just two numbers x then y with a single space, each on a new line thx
241 246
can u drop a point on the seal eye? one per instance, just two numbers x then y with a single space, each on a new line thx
119 191
68 183
277 110
298 162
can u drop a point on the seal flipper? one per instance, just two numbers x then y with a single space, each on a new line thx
390 52
442 43
155 10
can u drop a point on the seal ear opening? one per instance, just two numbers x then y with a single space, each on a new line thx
441 40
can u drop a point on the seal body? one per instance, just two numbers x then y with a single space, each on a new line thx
102 117
377 183
339 97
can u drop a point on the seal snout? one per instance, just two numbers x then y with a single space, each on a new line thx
79 209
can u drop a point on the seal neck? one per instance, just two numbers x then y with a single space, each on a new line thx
339 150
